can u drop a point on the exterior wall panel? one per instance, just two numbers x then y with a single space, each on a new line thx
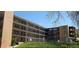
7 29
64 33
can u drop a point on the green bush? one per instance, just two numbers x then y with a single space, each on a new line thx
13 42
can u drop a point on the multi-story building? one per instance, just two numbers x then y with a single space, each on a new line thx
62 33
24 30
52 34
21 30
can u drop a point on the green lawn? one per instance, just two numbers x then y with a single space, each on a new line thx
47 45
35 45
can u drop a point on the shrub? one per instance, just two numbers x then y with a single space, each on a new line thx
13 42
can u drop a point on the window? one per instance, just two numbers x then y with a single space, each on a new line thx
50 29
71 29
55 28
71 33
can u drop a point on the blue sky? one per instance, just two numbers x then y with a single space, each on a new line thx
39 17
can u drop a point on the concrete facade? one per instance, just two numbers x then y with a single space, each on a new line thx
24 30
62 33
14 27
7 29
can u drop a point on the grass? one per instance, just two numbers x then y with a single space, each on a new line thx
34 45
47 45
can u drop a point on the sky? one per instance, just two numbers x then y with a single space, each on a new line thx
39 17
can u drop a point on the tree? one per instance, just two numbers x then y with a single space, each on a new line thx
74 15
58 15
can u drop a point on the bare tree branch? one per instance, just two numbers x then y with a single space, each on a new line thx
55 16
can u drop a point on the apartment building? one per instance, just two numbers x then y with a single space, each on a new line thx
52 34
62 33
21 30
24 30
